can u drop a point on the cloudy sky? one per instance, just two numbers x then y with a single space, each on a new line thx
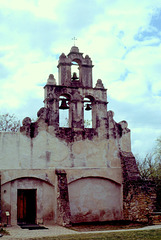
122 37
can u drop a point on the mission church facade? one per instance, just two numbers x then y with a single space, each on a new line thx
60 175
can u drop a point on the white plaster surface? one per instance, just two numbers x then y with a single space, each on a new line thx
95 199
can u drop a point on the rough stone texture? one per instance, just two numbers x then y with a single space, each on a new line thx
130 169
156 218
71 136
139 195
139 200
85 66
63 208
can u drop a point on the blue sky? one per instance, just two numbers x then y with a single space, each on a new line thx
122 37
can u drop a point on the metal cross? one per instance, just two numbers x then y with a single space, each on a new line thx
74 39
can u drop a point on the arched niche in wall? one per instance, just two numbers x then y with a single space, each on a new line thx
18 195
99 199
75 70
88 111
64 110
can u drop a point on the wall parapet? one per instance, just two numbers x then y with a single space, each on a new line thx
129 167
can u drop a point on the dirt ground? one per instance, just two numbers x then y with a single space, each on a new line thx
104 226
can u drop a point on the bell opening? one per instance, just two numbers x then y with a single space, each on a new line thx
74 71
87 113
63 112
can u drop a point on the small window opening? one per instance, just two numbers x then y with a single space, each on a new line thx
75 71
87 113
63 112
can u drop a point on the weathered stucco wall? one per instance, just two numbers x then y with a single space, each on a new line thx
95 199
46 151
88 161
39 180
23 156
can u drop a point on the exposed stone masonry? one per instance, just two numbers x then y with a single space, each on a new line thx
129 166
139 200
63 209
139 195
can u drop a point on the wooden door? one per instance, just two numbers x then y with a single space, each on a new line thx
26 206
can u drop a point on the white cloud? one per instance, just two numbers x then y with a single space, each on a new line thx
46 9
141 138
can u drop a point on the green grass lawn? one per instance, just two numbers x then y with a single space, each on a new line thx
130 235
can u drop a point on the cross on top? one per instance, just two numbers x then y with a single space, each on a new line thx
74 39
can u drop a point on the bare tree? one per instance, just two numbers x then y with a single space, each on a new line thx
147 166
9 123
150 168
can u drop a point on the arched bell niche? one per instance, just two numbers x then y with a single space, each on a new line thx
74 62
88 112
75 71
64 100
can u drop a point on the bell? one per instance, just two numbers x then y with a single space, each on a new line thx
64 105
74 76
88 107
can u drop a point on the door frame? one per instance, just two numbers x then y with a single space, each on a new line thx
26 206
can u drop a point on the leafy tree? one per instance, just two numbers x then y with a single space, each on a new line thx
9 123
